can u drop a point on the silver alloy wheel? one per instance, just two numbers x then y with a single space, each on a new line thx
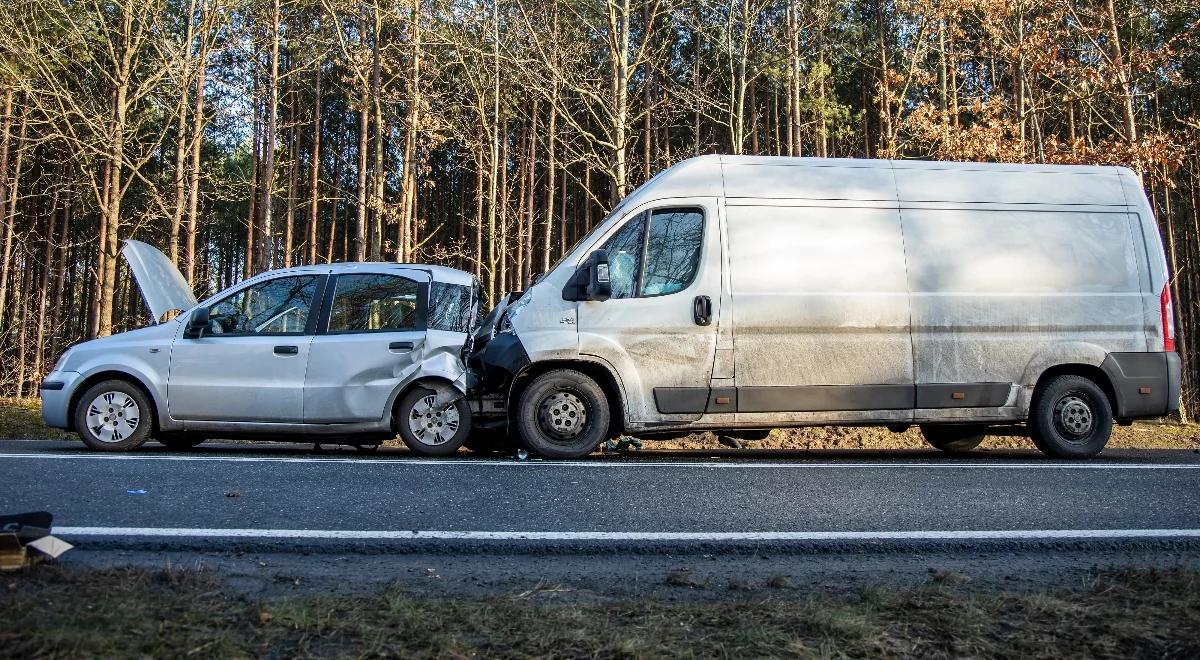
562 415
431 426
1073 416
113 416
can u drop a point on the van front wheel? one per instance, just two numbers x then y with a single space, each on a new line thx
562 414
1070 417
952 437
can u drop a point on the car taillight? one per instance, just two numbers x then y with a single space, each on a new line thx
1167 324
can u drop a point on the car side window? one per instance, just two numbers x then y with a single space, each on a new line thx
374 302
625 257
274 307
657 260
672 251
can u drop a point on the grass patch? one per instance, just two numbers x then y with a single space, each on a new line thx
57 612
22 419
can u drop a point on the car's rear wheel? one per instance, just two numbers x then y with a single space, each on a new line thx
562 414
953 437
427 428
114 415
1070 417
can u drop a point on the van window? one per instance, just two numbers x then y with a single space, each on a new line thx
655 260
672 251
274 307
625 257
373 302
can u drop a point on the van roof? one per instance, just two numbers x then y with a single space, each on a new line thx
784 177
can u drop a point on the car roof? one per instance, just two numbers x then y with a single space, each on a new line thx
437 273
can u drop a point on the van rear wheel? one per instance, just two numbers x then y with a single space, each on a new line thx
562 414
952 437
1070 417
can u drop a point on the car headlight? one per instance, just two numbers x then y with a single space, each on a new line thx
512 312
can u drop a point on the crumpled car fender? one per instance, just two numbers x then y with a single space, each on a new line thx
443 372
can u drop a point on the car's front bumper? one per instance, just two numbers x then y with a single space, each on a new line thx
56 393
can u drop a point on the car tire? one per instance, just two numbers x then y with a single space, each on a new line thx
1070 417
179 441
114 415
428 432
953 438
562 414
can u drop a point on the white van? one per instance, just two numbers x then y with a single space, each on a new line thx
741 294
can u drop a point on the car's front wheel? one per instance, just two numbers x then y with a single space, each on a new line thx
114 415
429 429
562 414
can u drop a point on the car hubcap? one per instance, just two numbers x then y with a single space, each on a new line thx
113 416
432 426
562 415
1073 416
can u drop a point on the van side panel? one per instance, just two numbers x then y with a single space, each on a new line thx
999 294
820 306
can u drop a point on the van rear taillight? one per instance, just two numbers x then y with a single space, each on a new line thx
1167 323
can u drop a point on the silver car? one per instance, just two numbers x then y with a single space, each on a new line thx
347 353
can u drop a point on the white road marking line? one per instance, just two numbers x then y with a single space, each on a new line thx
644 463
438 535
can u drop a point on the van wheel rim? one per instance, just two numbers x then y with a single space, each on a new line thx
562 415
1073 416
431 426
113 416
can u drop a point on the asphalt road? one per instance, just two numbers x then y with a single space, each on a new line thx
287 494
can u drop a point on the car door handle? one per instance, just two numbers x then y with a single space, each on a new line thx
287 350
400 346
702 310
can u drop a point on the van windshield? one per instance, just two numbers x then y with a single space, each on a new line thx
588 236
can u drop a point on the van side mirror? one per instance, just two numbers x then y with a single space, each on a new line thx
197 324
591 281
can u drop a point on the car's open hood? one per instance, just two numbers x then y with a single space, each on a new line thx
162 285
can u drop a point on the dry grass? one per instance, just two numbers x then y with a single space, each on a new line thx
54 612
22 418
1140 435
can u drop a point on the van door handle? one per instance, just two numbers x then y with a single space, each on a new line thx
702 310
400 346
287 350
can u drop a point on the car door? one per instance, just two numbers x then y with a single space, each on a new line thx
373 335
658 327
249 363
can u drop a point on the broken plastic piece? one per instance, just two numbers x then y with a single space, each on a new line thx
522 455
50 546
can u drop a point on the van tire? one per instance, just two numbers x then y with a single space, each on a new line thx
557 399
114 432
414 405
1071 417
179 441
952 437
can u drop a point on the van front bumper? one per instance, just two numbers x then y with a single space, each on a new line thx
1145 384
56 393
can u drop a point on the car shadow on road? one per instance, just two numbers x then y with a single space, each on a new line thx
268 449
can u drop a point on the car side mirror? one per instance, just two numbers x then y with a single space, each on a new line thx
197 324
591 281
